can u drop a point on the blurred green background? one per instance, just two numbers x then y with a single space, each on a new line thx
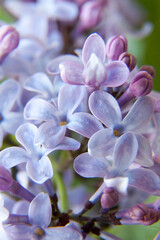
147 52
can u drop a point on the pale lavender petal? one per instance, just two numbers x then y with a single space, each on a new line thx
12 156
10 89
69 98
84 124
65 11
139 115
125 152
40 83
63 233
71 72
39 109
26 135
40 210
40 170
105 107
53 65
117 74
101 144
144 156
88 166
144 179
68 144
12 121
93 44
50 135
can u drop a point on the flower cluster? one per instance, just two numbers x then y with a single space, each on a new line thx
68 117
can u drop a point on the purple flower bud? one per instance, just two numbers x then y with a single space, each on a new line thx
5 179
109 198
128 59
141 84
148 69
115 46
9 39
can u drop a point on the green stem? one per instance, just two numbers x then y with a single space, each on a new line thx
60 185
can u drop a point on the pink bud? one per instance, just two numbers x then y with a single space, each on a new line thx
128 59
109 198
9 40
149 69
115 46
141 84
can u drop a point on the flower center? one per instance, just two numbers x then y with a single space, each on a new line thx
63 123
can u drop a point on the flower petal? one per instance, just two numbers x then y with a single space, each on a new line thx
39 170
139 115
125 152
40 210
39 109
71 72
105 107
101 144
84 124
144 179
93 44
88 166
12 156
117 74
64 233
67 143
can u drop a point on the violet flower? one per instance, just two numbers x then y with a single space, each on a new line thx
93 70
105 107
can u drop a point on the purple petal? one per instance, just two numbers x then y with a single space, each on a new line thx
64 233
40 210
144 179
101 144
69 98
144 156
139 115
93 44
26 135
39 109
40 83
71 72
125 152
12 156
117 74
53 65
88 166
105 107
84 124
40 170
50 135
10 89
67 144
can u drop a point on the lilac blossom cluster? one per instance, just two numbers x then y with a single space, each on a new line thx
65 118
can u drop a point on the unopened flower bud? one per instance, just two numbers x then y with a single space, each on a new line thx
115 46
9 40
109 198
141 84
5 179
148 69
128 59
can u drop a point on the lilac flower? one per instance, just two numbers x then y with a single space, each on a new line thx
4 214
9 120
118 173
38 165
93 71
105 107
57 118
39 214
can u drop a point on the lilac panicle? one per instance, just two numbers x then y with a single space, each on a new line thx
115 47
9 40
